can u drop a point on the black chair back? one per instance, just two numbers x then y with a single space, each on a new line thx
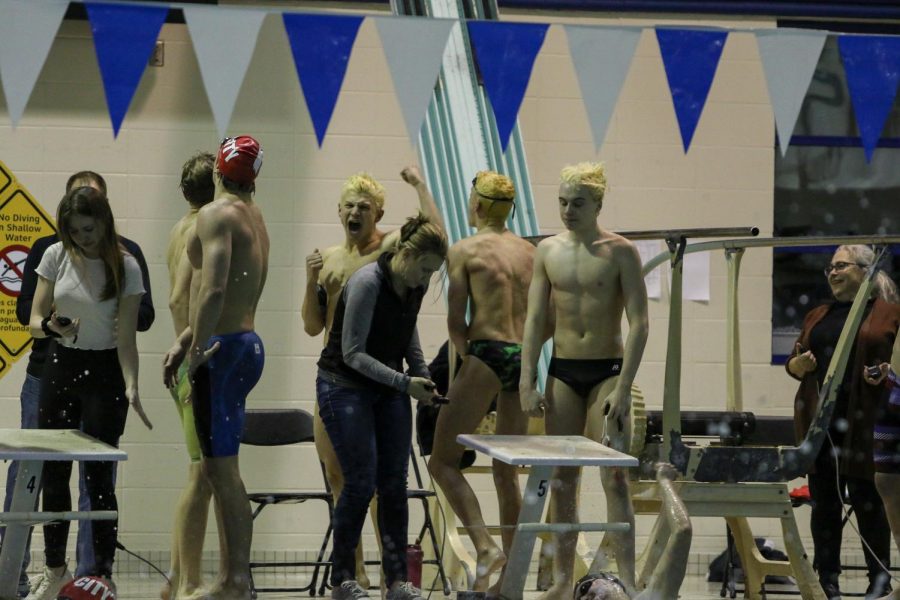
277 426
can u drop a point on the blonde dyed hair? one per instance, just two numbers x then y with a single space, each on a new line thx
363 184
587 174
496 195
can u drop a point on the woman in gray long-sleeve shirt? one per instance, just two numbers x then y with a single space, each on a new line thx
363 395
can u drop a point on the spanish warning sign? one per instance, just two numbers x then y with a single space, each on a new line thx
22 221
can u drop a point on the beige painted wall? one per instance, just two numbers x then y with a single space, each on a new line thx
725 180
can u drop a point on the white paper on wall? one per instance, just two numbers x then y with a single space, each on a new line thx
224 40
27 30
695 284
653 280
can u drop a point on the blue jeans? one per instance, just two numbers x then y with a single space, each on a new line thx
371 431
84 551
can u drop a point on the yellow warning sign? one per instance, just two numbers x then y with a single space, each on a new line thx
22 221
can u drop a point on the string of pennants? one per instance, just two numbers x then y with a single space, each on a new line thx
321 44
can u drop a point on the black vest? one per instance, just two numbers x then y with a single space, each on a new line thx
393 324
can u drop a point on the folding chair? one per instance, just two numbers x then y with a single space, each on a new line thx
281 427
425 495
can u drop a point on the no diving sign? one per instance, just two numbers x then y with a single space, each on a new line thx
12 260
22 221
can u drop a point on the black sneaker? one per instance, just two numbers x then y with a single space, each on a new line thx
879 587
831 589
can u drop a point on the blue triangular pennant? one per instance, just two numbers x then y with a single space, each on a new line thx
872 65
321 46
505 54
124 37
690 57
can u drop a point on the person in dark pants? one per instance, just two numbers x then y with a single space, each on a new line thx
87 298
887 444
363 397
846 460
40 348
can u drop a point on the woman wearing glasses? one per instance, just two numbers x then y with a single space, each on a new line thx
845 461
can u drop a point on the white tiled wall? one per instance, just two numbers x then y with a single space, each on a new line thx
725 180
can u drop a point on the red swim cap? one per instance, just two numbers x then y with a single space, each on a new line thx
239 159
86 588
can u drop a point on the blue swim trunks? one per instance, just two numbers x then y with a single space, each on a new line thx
221 387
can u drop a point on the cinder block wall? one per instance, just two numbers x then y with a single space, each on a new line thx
725 180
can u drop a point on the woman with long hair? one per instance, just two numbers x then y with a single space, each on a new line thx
87 297
846 458
363 397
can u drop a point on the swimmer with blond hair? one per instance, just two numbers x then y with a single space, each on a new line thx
489 275
360 209
589 277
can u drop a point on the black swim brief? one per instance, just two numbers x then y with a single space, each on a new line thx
583 375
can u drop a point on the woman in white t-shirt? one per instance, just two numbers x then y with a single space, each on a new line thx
87 297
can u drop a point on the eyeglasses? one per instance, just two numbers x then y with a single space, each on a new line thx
842 266
583 586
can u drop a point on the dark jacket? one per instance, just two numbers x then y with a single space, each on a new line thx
874 343
389 323
38 355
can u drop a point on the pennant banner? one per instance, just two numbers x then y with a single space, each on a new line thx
321 46
690 57
27 30
789 59
505 53
872 64
602 57
414 48
124 37
224 40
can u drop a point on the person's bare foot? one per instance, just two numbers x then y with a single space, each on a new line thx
222 592
196 594
488 562
191 592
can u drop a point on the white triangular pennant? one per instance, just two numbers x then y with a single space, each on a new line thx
789 59
27 30
414 48
602 57
224 40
